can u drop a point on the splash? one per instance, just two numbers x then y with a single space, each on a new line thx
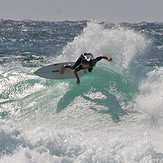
122 44
150 98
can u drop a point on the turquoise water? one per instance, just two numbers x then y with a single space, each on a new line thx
115 115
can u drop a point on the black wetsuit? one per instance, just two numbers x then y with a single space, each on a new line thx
77 66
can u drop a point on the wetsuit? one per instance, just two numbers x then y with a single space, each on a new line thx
77 66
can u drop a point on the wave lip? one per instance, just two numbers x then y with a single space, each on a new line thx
122 44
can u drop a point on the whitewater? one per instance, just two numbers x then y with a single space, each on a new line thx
114 116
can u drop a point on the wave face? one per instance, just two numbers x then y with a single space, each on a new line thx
115 115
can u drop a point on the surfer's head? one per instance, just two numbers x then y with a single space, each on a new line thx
84 63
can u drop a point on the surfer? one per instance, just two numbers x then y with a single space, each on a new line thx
85 61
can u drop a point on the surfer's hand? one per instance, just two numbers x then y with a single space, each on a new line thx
109 59
78 82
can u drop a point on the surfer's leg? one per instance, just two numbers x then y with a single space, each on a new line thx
63 68
78 62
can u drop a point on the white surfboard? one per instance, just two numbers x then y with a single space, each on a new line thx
53 71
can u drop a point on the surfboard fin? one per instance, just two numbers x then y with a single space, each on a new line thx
56 71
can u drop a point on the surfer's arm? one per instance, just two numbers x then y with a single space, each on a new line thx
105 57
101 57
77 77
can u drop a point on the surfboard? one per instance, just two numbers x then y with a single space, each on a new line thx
53 71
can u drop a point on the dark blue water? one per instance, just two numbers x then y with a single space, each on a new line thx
116 113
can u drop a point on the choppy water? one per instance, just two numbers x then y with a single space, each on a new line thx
115 115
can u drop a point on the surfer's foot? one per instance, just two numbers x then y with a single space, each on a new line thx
63 69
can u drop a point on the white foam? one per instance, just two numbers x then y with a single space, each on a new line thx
52 145
149 103
150 99
160 47
122 44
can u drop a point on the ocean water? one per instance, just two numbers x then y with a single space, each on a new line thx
114 116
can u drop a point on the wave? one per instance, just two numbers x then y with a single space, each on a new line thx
119 82
114 115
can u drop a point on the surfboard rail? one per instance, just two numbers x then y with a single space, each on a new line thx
52 71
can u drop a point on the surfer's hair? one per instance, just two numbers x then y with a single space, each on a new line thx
84 61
